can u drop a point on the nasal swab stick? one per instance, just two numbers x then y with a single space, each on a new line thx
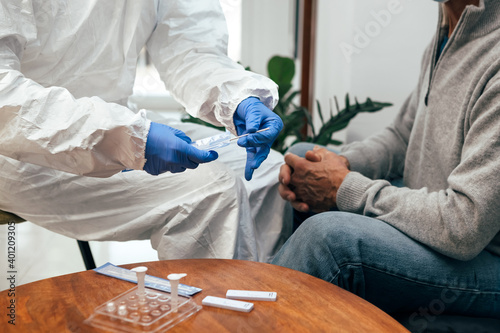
236 138
219 141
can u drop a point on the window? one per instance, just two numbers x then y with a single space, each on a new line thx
148 83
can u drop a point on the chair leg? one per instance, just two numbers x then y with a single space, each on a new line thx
88 259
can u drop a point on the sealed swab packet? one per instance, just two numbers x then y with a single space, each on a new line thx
220 140
152 282
214 142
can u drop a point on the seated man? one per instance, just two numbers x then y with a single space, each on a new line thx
66 72
433 245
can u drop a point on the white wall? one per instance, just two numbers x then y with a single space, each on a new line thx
268 29
387 38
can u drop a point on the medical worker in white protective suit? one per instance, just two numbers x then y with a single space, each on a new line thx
66 133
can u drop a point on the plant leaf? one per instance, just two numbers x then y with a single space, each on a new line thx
283 89
336 105
281 70
335 142
320 113
307 114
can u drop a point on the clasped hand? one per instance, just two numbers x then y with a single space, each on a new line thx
311 183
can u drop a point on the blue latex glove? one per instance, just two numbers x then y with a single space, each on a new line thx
168 149
250 116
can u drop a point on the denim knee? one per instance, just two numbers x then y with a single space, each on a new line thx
338 233
323 244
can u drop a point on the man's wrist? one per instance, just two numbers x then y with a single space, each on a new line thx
346 162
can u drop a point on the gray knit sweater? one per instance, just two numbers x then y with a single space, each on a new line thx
445 143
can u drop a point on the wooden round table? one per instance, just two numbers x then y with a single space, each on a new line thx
304 304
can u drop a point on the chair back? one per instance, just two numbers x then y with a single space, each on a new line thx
6 217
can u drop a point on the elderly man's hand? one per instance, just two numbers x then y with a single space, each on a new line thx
311 183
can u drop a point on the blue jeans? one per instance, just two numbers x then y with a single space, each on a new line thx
377 262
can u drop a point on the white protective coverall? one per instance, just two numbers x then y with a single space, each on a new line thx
67 69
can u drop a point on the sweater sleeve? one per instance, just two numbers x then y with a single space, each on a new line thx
382 156
47 126
189 49
459 221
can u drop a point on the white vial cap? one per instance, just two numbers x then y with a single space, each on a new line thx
176 276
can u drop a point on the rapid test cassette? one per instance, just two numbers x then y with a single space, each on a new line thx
250 295
229 304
